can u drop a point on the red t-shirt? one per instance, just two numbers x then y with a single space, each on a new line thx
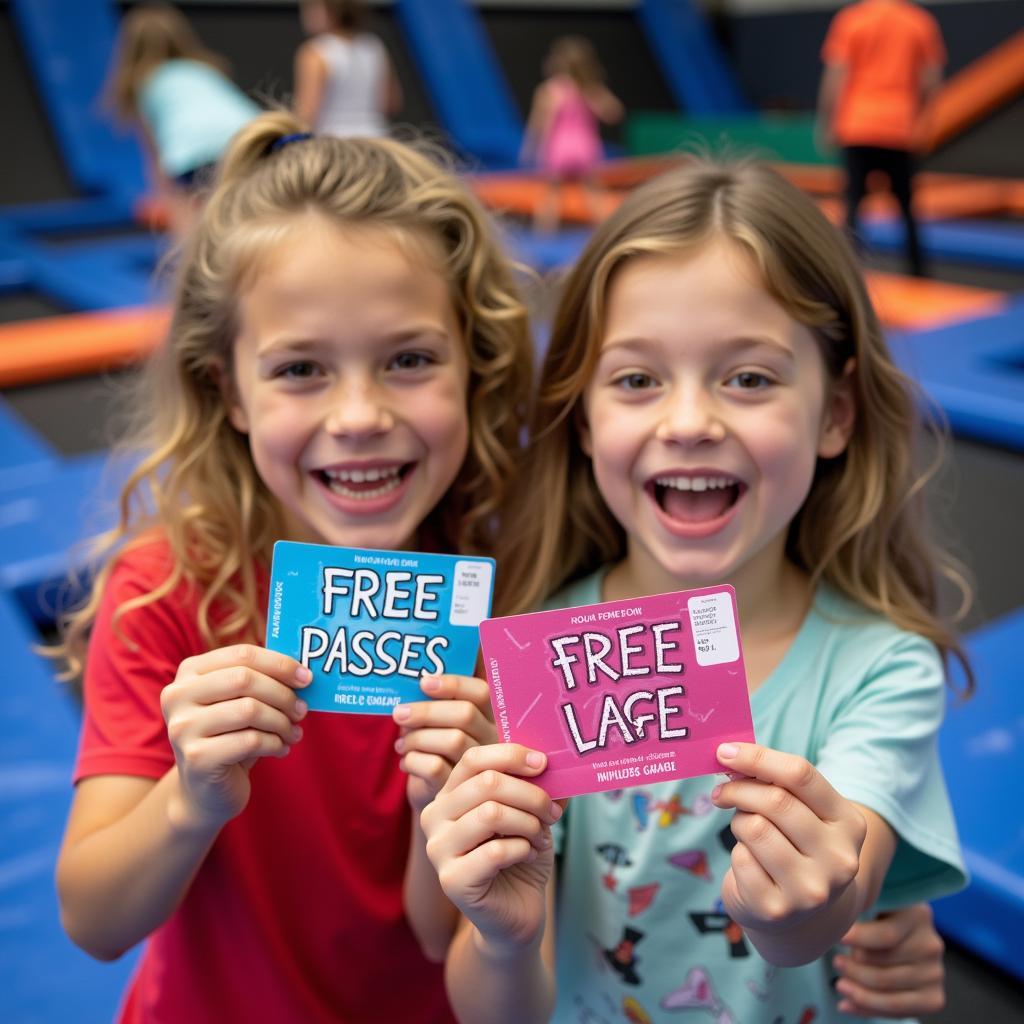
296 913
884 45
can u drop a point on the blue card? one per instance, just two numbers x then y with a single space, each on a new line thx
368 623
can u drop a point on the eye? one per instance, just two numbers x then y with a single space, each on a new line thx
748 380
301 370
410 361
636 381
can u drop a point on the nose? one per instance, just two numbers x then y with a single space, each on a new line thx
690 417
358 410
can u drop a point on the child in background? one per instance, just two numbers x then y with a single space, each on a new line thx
344 82
562 131
718 405
178 95
346 365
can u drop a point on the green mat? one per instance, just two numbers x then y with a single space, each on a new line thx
785 137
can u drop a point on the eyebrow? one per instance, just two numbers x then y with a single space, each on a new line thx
305 346
735 343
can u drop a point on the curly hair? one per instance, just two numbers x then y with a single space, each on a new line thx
196 481
863 527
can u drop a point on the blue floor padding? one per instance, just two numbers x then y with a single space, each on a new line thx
69 47
44 521
975 372
461 72
982 745
85 214
690 58
91 275
43 977
960 241
100 274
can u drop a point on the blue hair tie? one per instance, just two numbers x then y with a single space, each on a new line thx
287 140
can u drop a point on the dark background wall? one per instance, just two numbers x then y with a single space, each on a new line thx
775 57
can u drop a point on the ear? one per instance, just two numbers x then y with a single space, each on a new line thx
840 415
237 416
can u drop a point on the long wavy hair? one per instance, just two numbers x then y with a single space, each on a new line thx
195 482
863 527
151 34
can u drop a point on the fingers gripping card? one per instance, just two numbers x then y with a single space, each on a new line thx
622 693
368 624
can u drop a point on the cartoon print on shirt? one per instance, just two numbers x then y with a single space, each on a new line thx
693 861
615 856
634 1012
640 802
671 810
623 958
719 923
641 897
697 993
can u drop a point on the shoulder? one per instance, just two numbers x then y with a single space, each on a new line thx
582 591
863 646
144 563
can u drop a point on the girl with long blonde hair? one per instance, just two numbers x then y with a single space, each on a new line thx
717 405
348 363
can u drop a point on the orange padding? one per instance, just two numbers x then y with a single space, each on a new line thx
66 346
982 86
913 303
519 195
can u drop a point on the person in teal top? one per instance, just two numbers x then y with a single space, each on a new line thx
846 672
718 405
178 95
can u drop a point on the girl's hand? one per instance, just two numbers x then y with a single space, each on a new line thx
894 967
224 711
489 839
437 732
798 841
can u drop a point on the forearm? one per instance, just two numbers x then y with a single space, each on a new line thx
431 915
119 883
489 985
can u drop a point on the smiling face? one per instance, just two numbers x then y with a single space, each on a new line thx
350 379
704 419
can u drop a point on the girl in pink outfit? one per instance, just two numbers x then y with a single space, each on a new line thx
563 130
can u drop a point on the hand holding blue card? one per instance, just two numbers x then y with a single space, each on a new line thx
368 624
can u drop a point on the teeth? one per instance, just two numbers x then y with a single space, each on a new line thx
338 487
695 483
361 476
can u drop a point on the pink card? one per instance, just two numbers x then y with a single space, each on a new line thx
622 693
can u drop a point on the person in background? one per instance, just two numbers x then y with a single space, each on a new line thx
563 131
883 66
344 81
178 95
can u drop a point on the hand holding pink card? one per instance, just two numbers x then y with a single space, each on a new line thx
622 693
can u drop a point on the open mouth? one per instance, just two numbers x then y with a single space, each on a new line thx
696 499
364 484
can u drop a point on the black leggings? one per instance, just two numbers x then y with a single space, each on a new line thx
898 165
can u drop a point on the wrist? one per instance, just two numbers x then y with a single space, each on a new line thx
188 820
503 949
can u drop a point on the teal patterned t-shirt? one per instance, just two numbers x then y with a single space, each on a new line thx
642 936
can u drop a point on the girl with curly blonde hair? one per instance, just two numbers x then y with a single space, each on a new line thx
348 363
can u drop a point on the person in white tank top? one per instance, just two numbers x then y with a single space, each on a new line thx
344 82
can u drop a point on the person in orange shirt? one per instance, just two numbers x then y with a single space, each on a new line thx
883 64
